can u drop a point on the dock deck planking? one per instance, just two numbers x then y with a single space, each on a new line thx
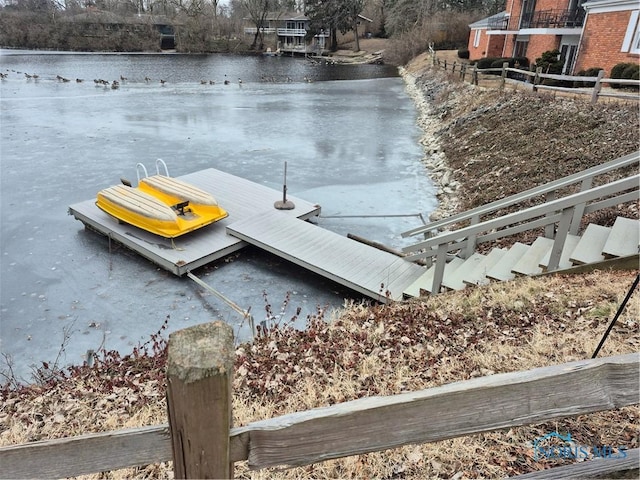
353 264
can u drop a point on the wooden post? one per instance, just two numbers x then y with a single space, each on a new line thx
199 372
445 64
536 79
471 240
503 75
463 71
474 76
597 87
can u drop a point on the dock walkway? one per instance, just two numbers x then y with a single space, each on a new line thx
377 274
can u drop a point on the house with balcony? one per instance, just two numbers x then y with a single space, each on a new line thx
596 33
287 32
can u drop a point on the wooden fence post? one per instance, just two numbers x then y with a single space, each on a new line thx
536 79
463 71
445 64
503 74
474 76
199 372
597 87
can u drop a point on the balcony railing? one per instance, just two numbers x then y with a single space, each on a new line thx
543 19
253 30
499 23
553 19
283 32
291 32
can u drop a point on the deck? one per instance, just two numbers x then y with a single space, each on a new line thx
253 219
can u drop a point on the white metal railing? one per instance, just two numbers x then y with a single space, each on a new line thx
584 178
284 32
559 214
291 32
254 30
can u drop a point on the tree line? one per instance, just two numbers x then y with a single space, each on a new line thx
215 26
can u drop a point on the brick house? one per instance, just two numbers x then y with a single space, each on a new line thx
611 34
597 33
482 45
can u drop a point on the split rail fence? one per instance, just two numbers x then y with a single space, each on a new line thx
534 79
202 443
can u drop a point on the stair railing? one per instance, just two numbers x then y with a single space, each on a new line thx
560 214
585 178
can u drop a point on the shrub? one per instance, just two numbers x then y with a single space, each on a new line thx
522 61
485 62
549 62
631 72
463 53
616 71
589 72
625 71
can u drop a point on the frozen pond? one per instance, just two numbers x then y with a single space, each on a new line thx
348 135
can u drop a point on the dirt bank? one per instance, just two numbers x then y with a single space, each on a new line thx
482 144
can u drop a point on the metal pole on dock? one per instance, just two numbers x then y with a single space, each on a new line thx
284 204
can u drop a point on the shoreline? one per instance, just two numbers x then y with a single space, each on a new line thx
433 158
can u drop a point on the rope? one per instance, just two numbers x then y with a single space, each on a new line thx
234 306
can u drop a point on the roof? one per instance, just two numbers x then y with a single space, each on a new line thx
610 5
299 16
485 22
286 16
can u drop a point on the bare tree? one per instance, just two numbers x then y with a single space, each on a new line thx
258 11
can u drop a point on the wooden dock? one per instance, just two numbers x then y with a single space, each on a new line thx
253 219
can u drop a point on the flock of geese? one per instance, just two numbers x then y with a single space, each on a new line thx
116 83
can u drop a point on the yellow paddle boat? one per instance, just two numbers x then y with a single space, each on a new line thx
160 204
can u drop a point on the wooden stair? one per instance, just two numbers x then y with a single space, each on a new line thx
596 244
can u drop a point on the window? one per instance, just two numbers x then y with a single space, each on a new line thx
520 50
631 42
528 10
476 38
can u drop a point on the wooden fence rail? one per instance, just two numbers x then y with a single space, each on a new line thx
534 79
350 428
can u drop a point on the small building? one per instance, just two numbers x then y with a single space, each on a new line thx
287 33
611 34
482 45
